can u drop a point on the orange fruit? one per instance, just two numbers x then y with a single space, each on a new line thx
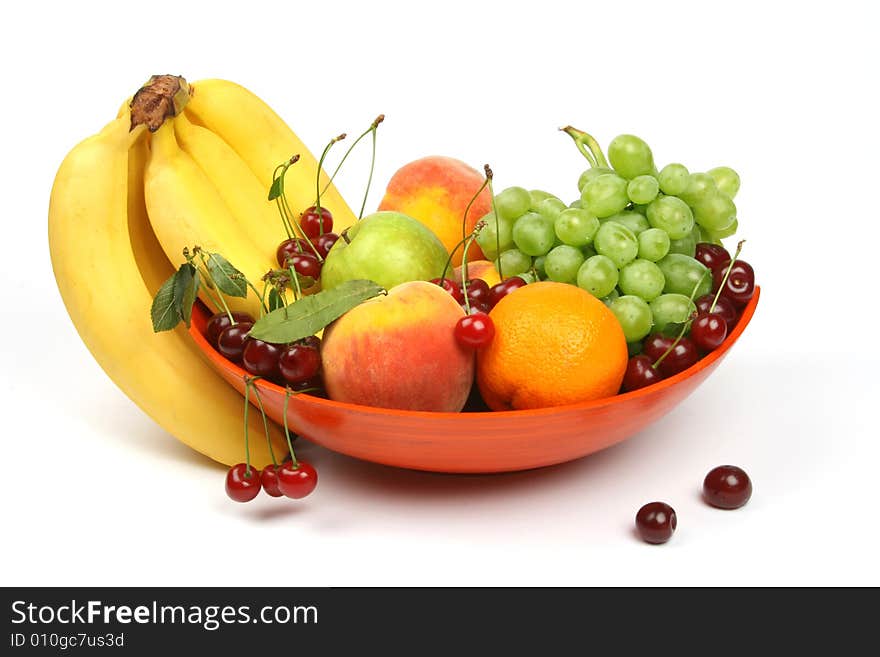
554 344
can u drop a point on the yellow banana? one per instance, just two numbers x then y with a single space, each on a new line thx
263 141
185 209
237 185
92 238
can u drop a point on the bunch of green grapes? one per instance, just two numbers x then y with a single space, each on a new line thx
629 239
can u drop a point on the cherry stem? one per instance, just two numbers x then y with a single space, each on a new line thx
297 293
318 177
489 177
454 250
264 309
370 177
247 445
739 248
372 127
287 393
470 240
288 228
251 382
594 156
464 230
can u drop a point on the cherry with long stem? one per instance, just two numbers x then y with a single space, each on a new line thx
373 126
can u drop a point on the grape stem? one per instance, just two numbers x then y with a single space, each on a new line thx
739 248
585 141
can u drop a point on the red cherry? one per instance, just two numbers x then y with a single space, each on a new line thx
299 363
450 287
232 341
261 358
269 479
243 482
314 224
502 289
289 248
305 264
640 372
478 290
683 355
298 480
723 307
655 345
727 487
315 386
312 341
325 242
712 255
656 522
478 307
475 330
708 331
219 322
740 284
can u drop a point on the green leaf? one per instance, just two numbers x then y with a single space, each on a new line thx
186 287
226 277
277 188
165 312
310 314
275 300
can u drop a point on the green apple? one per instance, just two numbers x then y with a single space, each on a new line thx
387 248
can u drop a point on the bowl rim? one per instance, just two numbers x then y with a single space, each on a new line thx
748 312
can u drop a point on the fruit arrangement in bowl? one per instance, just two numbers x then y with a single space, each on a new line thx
453 329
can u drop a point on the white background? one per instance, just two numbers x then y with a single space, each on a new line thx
94 493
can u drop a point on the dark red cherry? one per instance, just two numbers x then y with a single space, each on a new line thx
298 480
231 341
299 362
727 487
243 482
289 248
306 264
740 284
655 345
269 480
713 256
261 358
656 522
450 287
478 290
500 290
683 355
708 331
314 224
325 242
475 330
724 307
640 372
219 322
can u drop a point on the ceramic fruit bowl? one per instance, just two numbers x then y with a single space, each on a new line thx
474 442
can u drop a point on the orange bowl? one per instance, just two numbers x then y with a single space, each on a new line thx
474 442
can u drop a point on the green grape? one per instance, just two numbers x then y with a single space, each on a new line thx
513 262
512 203
538 266
653 244
536 196
491 234
715 212
551 207
616 242
717 236
634 315
635 221
642 189
576 204
562 263
598 276
672 215
576 227
588 251
607 300
700 186
673 179
591 173
672 309
687 245
630 156
605 195
726 179
643 279
683 274
533 234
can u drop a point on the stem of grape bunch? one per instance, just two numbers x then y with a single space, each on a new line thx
587 145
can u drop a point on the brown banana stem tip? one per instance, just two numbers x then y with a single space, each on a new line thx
163 96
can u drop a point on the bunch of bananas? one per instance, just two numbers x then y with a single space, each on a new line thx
181 165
